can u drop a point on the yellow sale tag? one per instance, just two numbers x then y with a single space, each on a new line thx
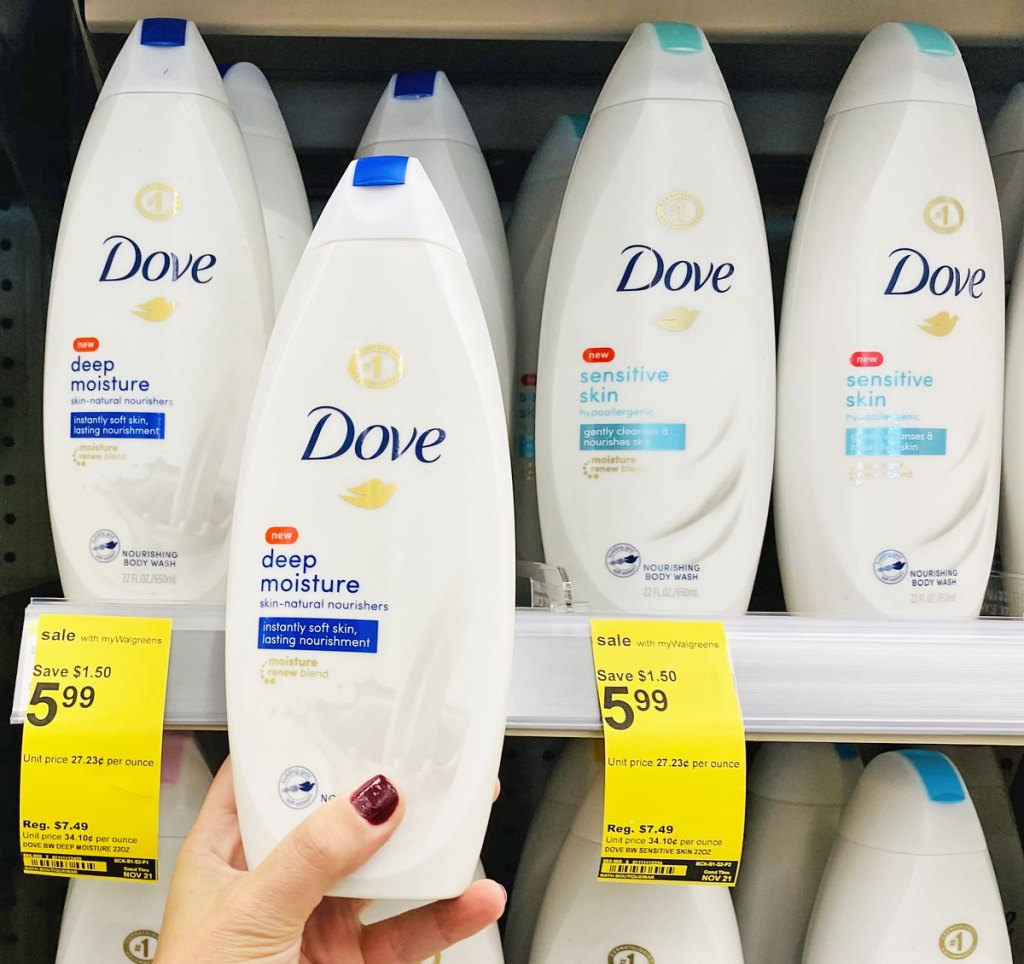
675 758
90 763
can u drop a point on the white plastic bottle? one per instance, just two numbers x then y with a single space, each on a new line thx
656 377
891 346
484 947
796 795
370 600
420 115
1011 503
983 778
909 880
584 920
159 311
278 178
116 920
577 768
531 233
1006 152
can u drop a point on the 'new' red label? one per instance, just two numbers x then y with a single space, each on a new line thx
282 534
529 379
866 359
597 356
86 344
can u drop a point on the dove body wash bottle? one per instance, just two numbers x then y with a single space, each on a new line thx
891 346
1006 151
531 233
419 114
278 178
909 880
371 588
159 310
116 920
656 375
796 796
585 920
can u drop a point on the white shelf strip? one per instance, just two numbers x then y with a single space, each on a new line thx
796 675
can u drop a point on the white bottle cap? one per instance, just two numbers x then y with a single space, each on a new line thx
1006 136
184 781
912 802
899 62
664 61
167 56
386 196
819 774
253 102
418 106
554 158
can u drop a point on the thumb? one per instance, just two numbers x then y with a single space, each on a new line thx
329 844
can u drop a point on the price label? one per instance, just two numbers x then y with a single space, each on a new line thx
90 764
675 754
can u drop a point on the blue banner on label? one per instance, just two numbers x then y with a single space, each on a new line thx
626 436
527 446
322 635
117 424
895 441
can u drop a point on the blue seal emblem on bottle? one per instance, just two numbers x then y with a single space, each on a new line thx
890 566
104 545
297 787
622 560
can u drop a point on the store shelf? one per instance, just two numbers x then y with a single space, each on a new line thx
559 18
797 676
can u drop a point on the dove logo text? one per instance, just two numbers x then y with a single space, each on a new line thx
912 273
646 269
125 260
335 434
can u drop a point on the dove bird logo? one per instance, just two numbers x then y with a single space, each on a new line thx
156 309
678 319
940 324
370 495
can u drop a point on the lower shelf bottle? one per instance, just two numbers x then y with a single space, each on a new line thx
115 920
909 880
797 792
585 920
575 771
483 947
979 767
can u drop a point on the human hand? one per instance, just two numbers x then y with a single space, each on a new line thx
219 912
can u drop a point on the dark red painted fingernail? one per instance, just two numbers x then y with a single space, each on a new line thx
375 800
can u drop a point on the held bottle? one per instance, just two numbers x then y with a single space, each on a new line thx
278 178
419 114
159 310
371 591
116 920
891 346
656 376
584 919
909 880
796 796
531 233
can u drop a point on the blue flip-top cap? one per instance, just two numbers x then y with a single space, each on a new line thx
846 751
223 69
381 171
938 775
415 83
163 32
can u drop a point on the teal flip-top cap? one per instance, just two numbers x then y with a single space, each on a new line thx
579 123
678 38
846 751
381 171
163 32
931 40
415 84
939 776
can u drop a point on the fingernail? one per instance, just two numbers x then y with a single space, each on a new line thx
375 800
505 892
